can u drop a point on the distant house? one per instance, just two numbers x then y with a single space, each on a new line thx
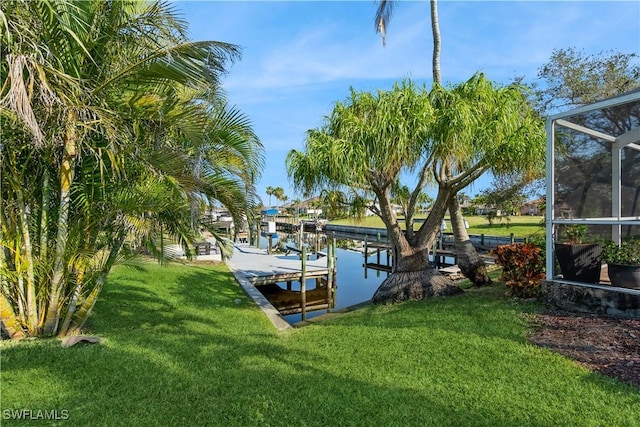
308 207
532 207
482 210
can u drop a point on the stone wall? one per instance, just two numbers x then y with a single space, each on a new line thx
596 299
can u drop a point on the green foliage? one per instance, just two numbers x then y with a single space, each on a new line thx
506 195
114 132
627 253
449 136
522 268
334 204
575 233
277 192
573 78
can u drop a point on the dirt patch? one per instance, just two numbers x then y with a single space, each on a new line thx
607 345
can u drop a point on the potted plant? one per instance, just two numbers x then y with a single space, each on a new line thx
623 263
578 261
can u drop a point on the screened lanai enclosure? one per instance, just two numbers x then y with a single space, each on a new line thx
593 194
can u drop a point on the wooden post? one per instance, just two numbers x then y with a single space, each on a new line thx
366 251
378 256
334 252
270 242
303 284
388 258
300 234
329 273
288 285
433 252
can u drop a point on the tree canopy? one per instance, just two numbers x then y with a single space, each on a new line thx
115 132
571 78
448 136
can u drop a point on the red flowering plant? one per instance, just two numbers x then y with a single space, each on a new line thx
522 268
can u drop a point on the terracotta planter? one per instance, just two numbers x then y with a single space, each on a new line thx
579 262
624 276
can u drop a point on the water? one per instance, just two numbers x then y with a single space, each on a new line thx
351 285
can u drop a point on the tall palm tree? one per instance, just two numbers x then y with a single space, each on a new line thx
114 125
469 262
270 192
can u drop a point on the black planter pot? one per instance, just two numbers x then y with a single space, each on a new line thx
624 276
579 262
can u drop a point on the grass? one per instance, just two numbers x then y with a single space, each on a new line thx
182 345
520 226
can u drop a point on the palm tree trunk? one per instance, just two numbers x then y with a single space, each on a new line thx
413 277
471 265
66 178
30 286
72 304
469 262
86 307
44 216
435 29
9 319
77 316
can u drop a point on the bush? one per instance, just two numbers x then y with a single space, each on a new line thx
627 253
522 268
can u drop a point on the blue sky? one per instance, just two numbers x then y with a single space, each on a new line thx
299 57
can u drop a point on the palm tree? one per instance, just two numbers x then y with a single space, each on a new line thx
113 125
295 205
278 192
270 191
469 262
379 136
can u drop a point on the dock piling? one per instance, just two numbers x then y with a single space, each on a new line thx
303 284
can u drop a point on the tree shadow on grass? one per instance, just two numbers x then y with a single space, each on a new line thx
483 312
202 360
213 378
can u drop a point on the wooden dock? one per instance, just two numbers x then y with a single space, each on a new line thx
438 253
255 270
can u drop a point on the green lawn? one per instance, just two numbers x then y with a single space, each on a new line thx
184 346
520 226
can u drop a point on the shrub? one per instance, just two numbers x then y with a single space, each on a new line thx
522 268
627 253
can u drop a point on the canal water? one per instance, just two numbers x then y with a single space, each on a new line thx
351 285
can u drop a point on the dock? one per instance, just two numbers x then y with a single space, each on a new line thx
439 254
259 274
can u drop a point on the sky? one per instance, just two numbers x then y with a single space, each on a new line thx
299 58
